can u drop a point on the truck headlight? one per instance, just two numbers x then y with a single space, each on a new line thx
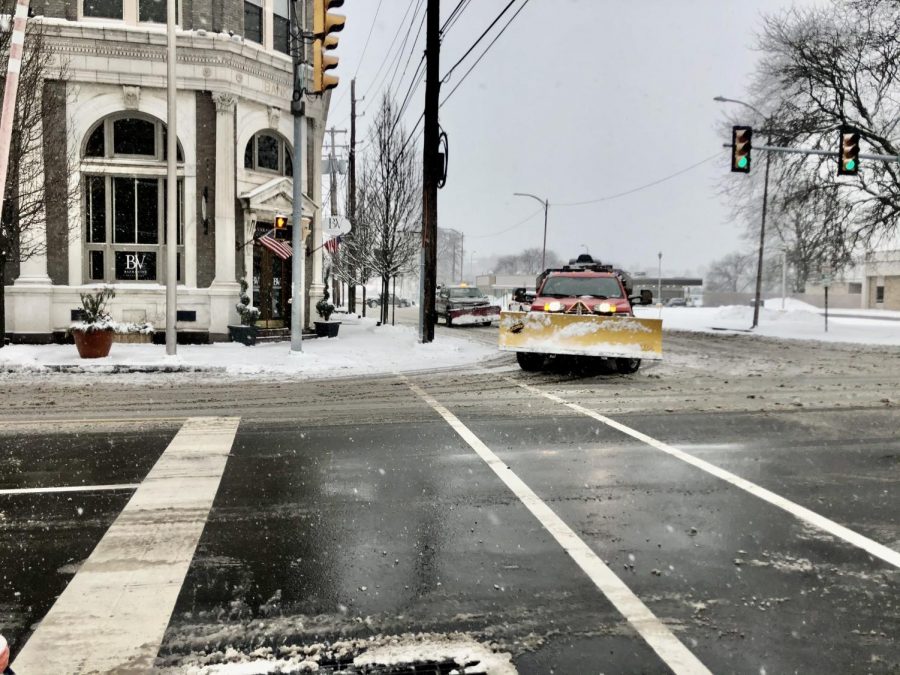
605 308
554 306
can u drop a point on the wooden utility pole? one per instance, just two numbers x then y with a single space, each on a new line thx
332 174
431 140
351 196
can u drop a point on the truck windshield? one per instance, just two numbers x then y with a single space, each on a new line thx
567 287
465 293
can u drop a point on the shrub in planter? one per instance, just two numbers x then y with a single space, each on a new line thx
94 334
140 333
326 327
246 332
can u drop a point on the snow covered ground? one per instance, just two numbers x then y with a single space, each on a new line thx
798 321
360 349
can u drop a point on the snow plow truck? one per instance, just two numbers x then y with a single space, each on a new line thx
584 310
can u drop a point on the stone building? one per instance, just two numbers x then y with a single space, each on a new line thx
234 127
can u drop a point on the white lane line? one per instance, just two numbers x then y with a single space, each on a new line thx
647 625
113 614
870 546
68 488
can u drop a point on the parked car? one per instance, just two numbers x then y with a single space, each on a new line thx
677 302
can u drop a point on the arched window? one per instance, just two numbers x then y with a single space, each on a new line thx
268 151
124 171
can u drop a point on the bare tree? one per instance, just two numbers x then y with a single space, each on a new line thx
822 68
526 262
449 255
732 273
354 264
390 200
27 191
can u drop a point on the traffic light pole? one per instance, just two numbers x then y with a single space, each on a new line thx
431 140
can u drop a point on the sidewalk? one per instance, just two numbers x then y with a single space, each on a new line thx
362 348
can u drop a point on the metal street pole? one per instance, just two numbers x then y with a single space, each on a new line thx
472 264
783 277
171 184
762 239
546 204
298 241
659 285
762 227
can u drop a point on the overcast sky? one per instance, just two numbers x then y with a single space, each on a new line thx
578 100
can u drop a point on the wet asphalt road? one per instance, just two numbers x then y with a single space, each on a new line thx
361 512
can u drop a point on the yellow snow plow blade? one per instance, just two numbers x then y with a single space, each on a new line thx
581 335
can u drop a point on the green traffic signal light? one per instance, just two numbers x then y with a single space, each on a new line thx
742 162
850 165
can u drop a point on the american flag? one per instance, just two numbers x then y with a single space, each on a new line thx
332 245
280 248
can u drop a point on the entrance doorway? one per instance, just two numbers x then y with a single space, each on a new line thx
271 280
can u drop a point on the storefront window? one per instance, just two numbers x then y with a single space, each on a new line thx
125 209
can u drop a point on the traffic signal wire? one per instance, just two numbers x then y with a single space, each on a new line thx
486 50
641 187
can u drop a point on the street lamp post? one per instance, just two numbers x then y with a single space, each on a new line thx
546 205
472 264
762 226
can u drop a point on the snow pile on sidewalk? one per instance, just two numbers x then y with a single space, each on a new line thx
798 321
361 348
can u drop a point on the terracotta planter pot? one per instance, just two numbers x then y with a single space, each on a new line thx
93 344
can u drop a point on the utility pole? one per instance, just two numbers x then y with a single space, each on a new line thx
462 252
298 241
332 175
431 140
351 193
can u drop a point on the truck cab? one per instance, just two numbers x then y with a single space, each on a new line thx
586 287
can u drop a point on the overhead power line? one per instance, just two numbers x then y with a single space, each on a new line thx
486 50
508 229
363 55
641 187
487 30
394 42
454 16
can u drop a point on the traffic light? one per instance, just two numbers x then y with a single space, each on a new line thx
740 149
324 25
280 222
849 161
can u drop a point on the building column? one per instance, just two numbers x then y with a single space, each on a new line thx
29 300
223 294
